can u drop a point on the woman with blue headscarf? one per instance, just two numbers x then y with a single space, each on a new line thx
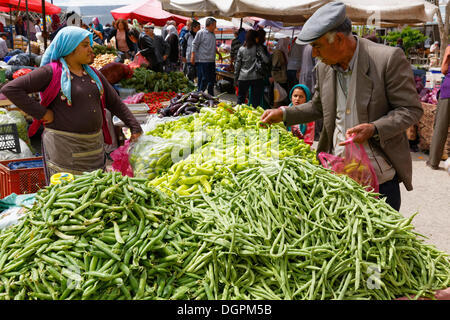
72 107
301 94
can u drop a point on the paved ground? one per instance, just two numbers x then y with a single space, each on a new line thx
431 198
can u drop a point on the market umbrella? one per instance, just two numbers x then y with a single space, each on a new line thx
33 6
294 11
147 11
370 12
298 11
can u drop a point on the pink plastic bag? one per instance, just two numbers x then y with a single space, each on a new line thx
355 164
121 161
138 61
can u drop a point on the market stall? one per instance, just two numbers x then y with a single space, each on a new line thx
147 11
206 217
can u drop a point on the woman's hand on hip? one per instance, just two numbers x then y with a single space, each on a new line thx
48 117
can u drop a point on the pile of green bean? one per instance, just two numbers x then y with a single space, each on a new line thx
98 237
293 230
283 230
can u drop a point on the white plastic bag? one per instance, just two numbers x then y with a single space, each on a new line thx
25 152
279 94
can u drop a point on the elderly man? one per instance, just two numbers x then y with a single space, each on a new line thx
203 56
162 48
363 89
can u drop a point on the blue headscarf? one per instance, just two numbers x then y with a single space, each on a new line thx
301 126
304 88
65 42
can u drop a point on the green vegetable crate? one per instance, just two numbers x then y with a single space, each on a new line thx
20 181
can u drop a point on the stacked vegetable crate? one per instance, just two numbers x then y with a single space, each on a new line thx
426 125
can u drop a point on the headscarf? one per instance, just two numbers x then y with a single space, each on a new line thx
65 42
136 24
283 45
172 29
55 21
95 21
180 26
304 88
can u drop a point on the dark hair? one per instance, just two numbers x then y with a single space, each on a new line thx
250 38
195 24
122 21
210 21
261 36
345 27
134 33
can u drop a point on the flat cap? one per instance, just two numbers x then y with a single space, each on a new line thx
326 18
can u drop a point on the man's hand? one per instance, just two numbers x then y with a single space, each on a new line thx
135 136
271 80
48 117
272 116
165 57
362 132
184 60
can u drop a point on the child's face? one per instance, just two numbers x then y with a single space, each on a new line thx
298 97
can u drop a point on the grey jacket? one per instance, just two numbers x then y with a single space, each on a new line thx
245 65
204 46
385 96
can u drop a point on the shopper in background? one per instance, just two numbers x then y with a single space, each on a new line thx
299 95
185 29
294 64
308 78
29 26
124 45
203 56
146 48
173 61
442 119
20 26
235 45
3 45
73 107
279 69
246 73
56 22
186 50
162 48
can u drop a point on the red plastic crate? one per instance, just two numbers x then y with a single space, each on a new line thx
20 181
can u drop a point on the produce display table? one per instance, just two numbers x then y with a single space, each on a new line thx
425 129
225 74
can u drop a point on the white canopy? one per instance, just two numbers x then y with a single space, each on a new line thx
369 12
294 11
221 24
372 12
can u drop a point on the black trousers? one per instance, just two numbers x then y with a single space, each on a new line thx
257 90
390 190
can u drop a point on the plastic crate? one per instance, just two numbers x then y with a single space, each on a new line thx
20 181
9 138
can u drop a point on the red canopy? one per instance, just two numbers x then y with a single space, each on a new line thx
33 6
147 11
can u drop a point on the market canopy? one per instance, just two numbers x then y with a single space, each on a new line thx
147 11
372 12
369 12
293 11
33 6
221 24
